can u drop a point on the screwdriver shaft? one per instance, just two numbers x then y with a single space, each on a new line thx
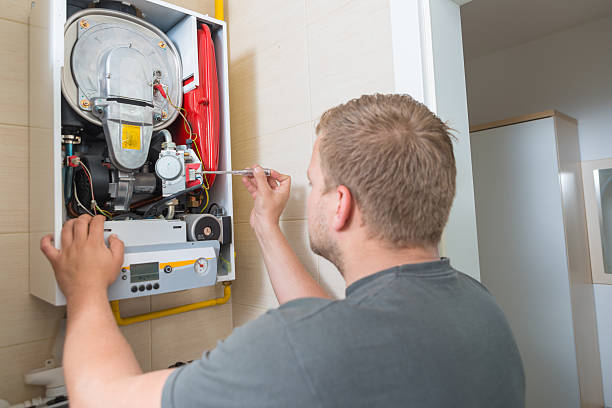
245 172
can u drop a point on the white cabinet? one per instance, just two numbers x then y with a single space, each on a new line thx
534 254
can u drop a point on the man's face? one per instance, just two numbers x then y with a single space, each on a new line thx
320 212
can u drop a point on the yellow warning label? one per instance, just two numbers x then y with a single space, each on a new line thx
130 137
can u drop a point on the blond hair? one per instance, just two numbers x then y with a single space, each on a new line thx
396 157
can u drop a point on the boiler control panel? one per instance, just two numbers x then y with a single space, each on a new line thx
154 269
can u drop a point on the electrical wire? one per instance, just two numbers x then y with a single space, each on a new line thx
203 181
105 213
207 198
186 123
76 197
149 209
187 126
229 265
193 136
144 202
207 201
88 174
95 207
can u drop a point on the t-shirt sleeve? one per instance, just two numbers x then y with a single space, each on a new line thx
254 366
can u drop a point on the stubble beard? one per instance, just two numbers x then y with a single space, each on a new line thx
321 243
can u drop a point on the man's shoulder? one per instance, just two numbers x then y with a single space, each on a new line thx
286 315
299 310
279 325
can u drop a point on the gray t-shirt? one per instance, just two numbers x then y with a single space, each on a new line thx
420 335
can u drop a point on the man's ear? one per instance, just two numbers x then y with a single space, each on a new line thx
345 206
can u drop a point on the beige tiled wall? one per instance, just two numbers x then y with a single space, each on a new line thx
290 60
29 325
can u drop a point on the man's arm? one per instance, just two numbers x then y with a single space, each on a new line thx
289 278
99 366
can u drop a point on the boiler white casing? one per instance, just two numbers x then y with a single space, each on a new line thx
46 55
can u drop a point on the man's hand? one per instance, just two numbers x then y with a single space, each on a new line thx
97 358
289 278
84 263
270 195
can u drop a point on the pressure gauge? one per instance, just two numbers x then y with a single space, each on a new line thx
201 266
168 167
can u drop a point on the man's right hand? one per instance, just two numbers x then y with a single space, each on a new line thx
289 278
270 195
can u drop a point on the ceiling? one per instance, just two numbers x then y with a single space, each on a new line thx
491 25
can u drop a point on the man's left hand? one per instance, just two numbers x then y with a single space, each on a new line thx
84 263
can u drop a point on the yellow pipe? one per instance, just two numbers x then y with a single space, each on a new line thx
219 9
124 321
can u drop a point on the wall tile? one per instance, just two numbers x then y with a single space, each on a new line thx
186 336
287 151
318 9
252 286
297 235
23 317
13 178
17 361
185 297
254 26
330 278
16 10
269 89
245 313
138 335
350 53
14 72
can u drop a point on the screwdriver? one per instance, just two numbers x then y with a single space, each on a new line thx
245 172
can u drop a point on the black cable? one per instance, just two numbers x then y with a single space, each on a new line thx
164 200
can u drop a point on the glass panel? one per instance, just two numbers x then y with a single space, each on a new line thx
144 272
603 189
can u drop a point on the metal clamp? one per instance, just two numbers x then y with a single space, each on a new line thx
71 139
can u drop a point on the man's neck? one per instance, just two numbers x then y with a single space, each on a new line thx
371 257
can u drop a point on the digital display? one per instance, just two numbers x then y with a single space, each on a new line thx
144 272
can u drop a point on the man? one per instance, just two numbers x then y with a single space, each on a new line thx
412 331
